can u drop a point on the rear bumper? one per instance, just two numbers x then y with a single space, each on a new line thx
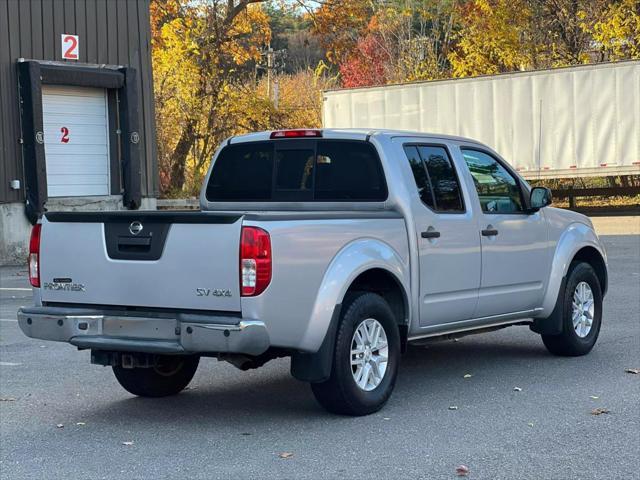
100 330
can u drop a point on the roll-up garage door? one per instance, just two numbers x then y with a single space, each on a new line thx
76 140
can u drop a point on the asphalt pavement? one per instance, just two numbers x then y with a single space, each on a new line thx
521 414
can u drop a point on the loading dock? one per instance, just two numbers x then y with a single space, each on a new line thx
76 109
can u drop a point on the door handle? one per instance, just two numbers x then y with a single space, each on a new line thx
489 232
134 241
430 234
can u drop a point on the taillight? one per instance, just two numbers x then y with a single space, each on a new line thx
300 133
255 261
34 256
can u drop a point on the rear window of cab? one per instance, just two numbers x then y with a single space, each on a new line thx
298 170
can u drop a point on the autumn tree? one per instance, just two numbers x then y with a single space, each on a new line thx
418 35
501 36
566 41
368 63
292 37
388 41
491 39
201 49
617 31
299 103
339 25
210 69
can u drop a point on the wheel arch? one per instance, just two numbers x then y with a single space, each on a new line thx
577 241
594 258
363 265
388 286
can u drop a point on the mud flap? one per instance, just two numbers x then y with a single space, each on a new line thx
316 367
552 325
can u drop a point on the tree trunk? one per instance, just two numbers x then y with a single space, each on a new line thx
180 153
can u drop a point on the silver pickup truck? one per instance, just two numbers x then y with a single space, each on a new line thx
333 247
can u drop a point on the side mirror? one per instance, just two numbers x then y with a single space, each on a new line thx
540 197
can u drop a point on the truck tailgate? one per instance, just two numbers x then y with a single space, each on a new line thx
183 260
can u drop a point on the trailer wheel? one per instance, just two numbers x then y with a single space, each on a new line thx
168 377
365 359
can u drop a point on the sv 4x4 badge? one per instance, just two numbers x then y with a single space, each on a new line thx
213 292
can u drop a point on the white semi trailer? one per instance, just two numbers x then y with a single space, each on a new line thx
566 122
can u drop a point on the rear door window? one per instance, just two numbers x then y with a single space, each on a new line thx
420 175
436 177
307 170
444 182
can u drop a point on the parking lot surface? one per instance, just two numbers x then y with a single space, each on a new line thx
521 413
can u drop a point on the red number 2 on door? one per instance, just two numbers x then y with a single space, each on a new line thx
65 135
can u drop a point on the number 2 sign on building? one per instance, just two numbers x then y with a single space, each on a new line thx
70 46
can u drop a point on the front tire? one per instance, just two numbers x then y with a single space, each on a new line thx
581 314
170 375
365 358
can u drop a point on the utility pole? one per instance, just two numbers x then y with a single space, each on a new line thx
274 61
276 93
270 62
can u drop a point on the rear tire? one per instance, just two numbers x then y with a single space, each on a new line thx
361 352
580 323
170 375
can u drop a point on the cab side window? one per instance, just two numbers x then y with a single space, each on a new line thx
498 190
435 178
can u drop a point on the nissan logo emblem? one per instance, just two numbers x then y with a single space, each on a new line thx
135 228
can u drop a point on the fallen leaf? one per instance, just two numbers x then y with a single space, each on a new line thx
599 411
634 371
453 407
593 397
127 443
59 425
517 389
462 470
530 424
7 399
468 375
285 455
81 424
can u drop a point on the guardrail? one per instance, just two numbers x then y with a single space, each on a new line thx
573 193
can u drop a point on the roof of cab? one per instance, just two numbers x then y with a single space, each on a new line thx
353 134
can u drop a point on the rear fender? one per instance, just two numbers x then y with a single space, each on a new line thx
352 260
